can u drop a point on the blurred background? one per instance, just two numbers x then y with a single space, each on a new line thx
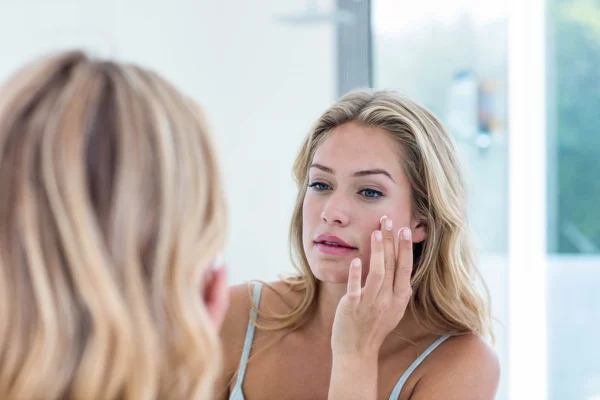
517 84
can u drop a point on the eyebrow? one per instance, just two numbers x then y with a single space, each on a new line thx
366 172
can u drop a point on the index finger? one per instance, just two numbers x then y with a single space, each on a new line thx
389 250
376 268
405 262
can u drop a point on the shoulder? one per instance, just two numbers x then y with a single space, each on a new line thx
281 297
233 329
463 367
239 307
236 320
233 334
277 297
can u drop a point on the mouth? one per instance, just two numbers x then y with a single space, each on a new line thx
333 245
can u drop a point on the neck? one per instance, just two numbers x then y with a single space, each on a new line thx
329 296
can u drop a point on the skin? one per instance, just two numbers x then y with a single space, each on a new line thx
361 338
215 294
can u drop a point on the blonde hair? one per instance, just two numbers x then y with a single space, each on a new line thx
448 289
111 213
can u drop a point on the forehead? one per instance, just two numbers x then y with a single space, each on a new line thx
351 147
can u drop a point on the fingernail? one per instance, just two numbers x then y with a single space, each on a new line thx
356 263
406 234
378 236
218 262
388 224
382 218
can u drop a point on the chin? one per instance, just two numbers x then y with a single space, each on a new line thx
330 271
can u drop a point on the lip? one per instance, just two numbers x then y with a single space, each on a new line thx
334 250
342 248
333 239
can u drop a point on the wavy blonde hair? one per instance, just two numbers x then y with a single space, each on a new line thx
112 211
448 290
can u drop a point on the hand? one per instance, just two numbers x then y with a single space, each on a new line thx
365 316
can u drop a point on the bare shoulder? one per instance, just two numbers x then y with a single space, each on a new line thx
276 296
280 297
233 332
236 318
464 367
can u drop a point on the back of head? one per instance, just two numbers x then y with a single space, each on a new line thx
111 211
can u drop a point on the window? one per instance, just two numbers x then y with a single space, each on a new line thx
573 118
516 86
451 56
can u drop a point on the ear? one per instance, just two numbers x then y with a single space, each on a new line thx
419 231
216 295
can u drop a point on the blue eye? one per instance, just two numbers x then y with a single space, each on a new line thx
371 193
319 186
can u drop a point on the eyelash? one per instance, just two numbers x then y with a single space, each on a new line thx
316 185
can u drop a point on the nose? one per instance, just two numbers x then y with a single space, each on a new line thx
336 211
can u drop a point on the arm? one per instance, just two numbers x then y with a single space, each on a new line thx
468 371
365 316
353 378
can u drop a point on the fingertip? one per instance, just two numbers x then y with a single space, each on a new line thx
378 236
405 234
355 268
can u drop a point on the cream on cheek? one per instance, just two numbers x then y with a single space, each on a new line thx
373 223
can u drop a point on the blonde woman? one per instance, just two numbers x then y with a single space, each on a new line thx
388 302
112 217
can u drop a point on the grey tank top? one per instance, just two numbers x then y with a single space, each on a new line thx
238 394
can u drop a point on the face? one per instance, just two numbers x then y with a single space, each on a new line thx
356 177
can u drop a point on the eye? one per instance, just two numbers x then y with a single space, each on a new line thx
371 193
319 186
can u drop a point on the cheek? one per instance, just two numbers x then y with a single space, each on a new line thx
311 209
372 223
310 215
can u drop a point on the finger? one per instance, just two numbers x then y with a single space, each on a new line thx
354 284
376 268
405 262
389 244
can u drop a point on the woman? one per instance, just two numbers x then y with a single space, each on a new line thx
112 215
387 302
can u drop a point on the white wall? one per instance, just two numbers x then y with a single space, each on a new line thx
262 83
